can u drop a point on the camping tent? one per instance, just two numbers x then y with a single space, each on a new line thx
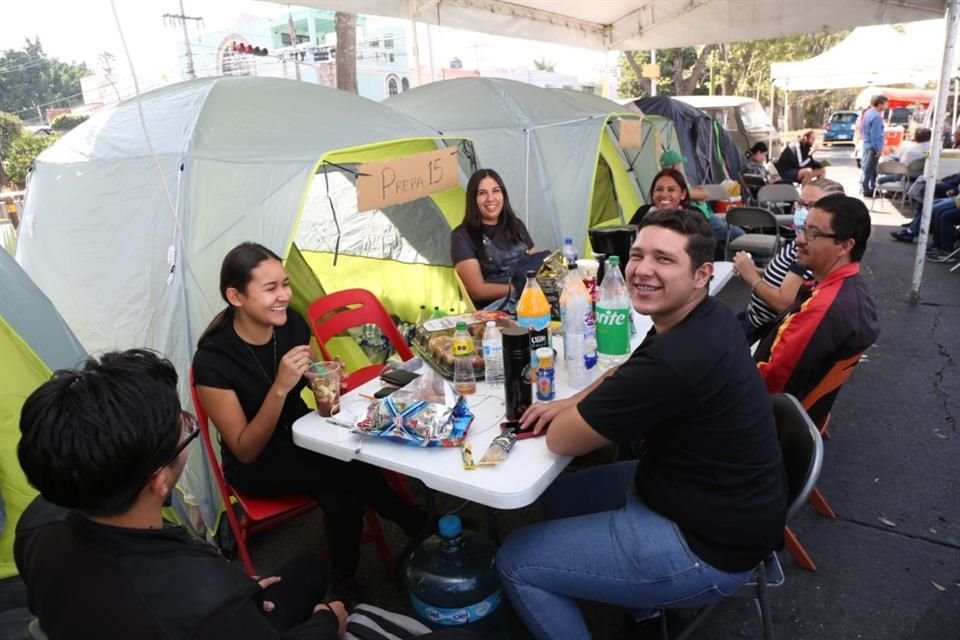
556 150
34 342
710 154
125 233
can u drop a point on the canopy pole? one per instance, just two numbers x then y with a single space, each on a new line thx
414 41
933 164
956 93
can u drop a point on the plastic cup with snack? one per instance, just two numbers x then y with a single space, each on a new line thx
324 379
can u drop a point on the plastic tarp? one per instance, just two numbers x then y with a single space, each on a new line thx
545 144
128 241
709 158
874 55
34 341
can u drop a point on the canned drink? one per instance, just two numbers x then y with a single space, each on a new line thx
546 383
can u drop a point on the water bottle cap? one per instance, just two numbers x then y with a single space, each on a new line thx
491 323
531 274
568 240
461 326
614 259
450 526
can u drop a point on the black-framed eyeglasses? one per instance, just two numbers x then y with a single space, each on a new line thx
813 233
190 427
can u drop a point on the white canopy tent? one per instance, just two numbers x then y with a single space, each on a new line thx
901 54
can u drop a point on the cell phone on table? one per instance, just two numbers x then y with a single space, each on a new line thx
398 377
522 434
383 392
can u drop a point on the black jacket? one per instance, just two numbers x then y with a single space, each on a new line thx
87 580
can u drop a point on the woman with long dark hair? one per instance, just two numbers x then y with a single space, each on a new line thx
669 190
249 370
490 243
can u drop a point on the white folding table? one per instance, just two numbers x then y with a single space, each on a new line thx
514 483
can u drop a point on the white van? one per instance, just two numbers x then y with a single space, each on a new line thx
743 118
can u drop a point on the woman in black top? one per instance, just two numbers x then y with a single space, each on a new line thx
491 242
249 370
668 190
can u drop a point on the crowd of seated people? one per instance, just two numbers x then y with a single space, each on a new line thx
650 533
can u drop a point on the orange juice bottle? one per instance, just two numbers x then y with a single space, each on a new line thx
533 313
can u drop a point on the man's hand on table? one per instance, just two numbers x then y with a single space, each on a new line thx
538 416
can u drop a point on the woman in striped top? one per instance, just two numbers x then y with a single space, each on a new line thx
776 287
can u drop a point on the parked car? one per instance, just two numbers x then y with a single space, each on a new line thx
743 118
840 127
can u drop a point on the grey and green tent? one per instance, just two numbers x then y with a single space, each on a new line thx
556 150
130 214
34 342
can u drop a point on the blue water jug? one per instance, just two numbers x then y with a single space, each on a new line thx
453 582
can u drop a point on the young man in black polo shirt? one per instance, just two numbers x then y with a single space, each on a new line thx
705 503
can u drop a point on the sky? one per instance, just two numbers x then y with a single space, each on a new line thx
79 30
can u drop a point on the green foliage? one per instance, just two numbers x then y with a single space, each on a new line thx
544 65
23 150
739 68
66 122
30 78
10 129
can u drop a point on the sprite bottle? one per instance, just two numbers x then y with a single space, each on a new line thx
613 317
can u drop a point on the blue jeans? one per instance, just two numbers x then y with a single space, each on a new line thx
719 226
602 543
868 170
938 208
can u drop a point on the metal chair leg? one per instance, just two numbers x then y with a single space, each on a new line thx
799 554
765 618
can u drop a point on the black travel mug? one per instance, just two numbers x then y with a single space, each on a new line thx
516 371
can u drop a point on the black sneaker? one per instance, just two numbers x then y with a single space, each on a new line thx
903 235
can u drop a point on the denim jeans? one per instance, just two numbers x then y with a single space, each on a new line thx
602 543
868 170
938 208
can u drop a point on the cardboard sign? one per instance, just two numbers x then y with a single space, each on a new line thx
381 184
631 135
650 71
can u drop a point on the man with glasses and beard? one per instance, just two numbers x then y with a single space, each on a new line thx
833 320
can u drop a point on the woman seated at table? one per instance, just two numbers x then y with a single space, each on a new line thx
249 370
669 191
491 243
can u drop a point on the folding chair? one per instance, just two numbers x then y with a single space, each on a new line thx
336 312
817 404
715 192
914 171
261 514
899 186
779 198
802 459
756 242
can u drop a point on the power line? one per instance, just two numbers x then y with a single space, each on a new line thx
23 66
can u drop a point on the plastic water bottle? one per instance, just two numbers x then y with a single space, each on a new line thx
422 316
575 307
464 379
613 317
492 354
436 313
453 582
569 252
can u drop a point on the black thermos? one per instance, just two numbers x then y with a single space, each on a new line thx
516 371
601 259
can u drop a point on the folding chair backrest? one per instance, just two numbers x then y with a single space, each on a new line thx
204 423
828 387
778 193
802 449
893 168
754 217
915 168
341 310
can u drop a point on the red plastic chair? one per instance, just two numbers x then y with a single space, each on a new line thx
336 312
261 514
827 388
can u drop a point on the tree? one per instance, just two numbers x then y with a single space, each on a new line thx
66 122
544 65
11 128
681 71
30 79
346 26
23 151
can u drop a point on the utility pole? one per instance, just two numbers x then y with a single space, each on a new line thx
653 81
292 30
182 19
